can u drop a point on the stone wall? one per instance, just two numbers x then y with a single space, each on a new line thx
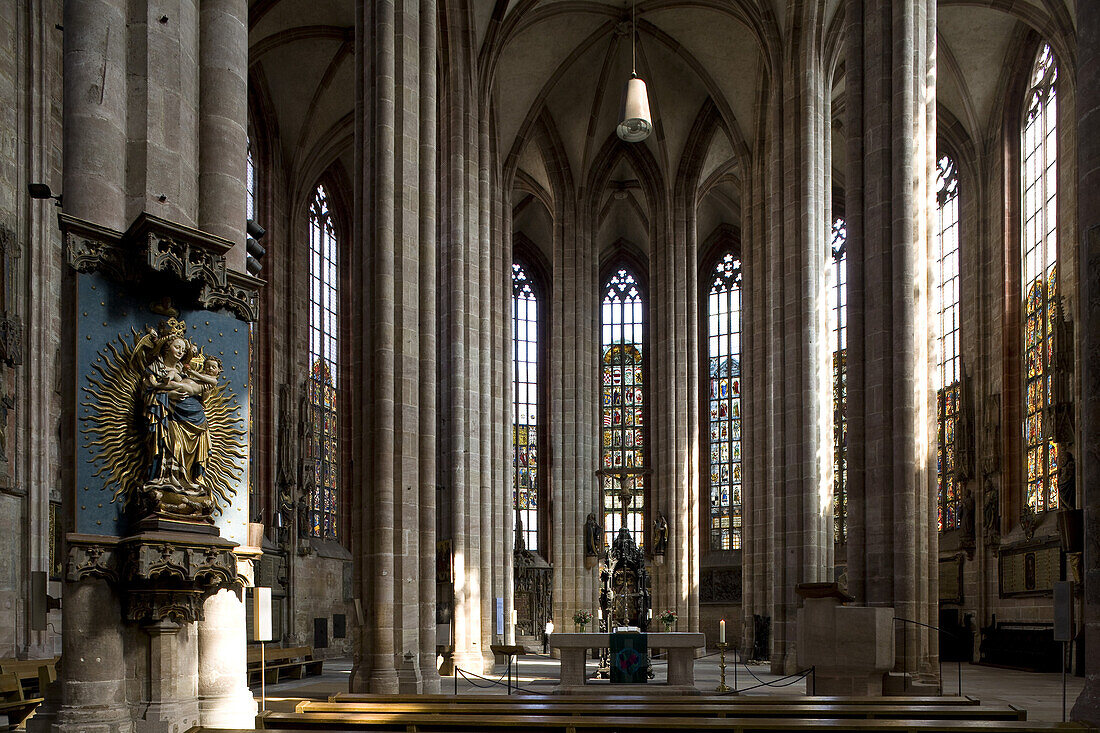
30 480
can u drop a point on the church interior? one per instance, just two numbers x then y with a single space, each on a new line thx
438 327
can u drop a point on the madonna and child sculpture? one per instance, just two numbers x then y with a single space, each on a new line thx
163 426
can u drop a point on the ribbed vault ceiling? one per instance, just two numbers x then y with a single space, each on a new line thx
559 65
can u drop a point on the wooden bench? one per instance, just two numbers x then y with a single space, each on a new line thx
661 708
14 707
452 723
279 664
33 674
614 696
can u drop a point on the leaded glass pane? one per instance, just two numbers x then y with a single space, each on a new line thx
724 401
324 445
525 444
1040 277
947 321
838 315
622 405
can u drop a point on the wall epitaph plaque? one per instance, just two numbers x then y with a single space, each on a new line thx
1030 568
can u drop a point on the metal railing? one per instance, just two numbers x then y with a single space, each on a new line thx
939 661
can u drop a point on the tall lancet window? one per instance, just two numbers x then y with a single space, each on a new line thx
249 184
1040 277
323 345
947 331
724 401
838 339
525 391
622 405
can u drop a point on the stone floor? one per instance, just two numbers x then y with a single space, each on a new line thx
1039 693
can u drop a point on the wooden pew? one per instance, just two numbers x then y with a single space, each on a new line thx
30 673
282 663
759 708
14 707
614 696
500 723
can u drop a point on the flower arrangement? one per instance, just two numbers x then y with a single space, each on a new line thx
580 618
668 618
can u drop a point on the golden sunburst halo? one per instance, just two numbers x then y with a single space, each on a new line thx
116 433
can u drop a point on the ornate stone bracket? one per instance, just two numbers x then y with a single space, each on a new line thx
195 259
160 575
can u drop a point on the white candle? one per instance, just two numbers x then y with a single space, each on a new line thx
599 614
722 631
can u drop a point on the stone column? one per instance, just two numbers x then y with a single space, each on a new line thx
892 542
795 542
390 532
162 141
757 538
574 370
680 449
1087 707
93 672
223 122
94 182
224 698
172 702
428 242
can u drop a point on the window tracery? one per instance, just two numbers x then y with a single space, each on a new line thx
838 316
724 403
323 350
949 373
622 404
1040 278
526 442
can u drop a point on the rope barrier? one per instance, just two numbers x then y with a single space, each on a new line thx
466 675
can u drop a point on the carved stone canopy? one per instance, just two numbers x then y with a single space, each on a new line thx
192 259
160 575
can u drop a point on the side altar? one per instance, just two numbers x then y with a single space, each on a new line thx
679 646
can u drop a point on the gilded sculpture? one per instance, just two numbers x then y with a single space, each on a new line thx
163 425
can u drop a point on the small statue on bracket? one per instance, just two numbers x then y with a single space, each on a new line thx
592 549
660 538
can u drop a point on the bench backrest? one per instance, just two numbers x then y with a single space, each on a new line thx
10 688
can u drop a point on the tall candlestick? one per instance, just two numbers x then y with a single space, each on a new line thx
722 631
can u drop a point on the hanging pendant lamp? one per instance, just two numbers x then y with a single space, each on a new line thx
636 122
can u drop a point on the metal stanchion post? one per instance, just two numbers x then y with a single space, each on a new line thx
263 678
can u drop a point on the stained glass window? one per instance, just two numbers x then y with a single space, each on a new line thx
324 445
838 339
724 401
1040 277
947 387
525 430
249 184
622 404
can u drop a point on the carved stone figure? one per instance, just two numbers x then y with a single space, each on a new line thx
660 535
303 517
592 533
966 518
1067 480
175 415
991 512
7 402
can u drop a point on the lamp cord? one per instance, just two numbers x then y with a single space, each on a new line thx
633 35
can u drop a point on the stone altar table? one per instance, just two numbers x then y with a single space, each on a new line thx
679 646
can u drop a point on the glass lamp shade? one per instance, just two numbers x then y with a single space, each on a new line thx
636 121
